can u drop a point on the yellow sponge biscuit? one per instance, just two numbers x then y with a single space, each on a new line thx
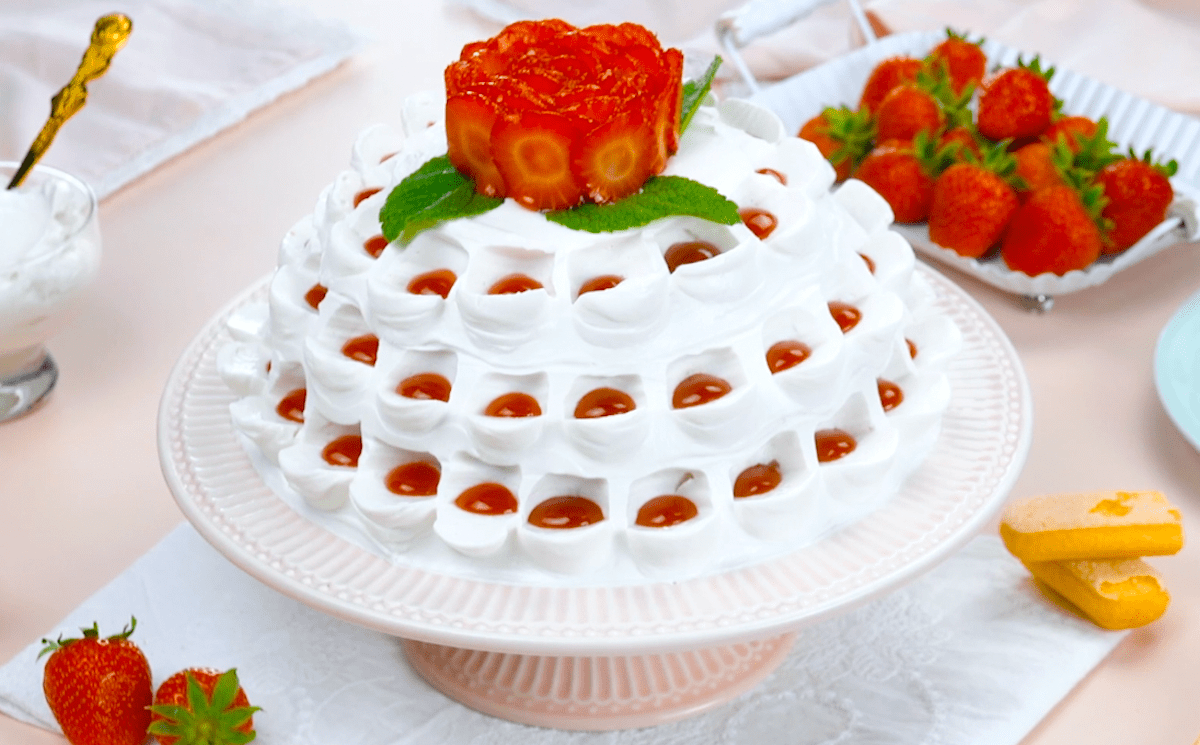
1117 594
1092 525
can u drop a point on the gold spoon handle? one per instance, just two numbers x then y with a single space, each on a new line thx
109 35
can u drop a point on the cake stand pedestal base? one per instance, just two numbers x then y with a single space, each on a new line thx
597 693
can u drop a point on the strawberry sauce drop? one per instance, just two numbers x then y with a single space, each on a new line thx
436 282
374 245
364 349
315 295
833 444
786 354
425 387
757 479
698 389
603 282
869 262
514 283
760 222
344 451
846 315
912 348
666 510
365 194
487 499
772 172
890 394
513 405
689 252
291 406
569 511
415 479
603 402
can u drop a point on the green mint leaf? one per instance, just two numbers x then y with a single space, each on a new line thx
694 92
432 194
661 196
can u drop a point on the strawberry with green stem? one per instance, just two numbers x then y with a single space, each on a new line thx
1016 102
926 104
904 173
885 76
962 59
973 202
843 136
202 706
1058 229
1139 194
98 688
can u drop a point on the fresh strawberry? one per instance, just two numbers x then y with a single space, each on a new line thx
1036 167
963 60
98 689
843 137
926 104
202 706
616 159
469 122
967 139
1070 129
533 155
903 173
973 202
1139 195
1016 102
888 74
1057 230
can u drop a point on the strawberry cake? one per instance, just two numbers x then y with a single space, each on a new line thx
578 321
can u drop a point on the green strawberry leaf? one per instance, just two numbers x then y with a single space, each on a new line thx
694 92
661 196
434 193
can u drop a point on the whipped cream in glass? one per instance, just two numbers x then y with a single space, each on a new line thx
49 253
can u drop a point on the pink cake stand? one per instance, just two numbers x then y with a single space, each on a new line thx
602 657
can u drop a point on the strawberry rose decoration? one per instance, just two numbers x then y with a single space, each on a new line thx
553 115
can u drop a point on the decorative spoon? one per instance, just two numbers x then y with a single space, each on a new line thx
109 35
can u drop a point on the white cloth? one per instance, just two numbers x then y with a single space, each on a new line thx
972 653
190 69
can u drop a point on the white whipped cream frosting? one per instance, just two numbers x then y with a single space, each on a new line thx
642 336
49 251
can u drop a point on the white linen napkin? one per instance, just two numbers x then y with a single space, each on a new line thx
190 69
972 654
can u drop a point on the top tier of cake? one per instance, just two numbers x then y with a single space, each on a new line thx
827 260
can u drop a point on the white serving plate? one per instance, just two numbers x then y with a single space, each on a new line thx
985 437
1133 122
1177 369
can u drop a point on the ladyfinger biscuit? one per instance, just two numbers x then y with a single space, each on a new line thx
1118 594
1092 525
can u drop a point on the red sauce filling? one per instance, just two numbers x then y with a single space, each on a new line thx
666 510
786 354
425 387
698 389
364 349
772 172
603 402
757 479
689 252
846 315
603 282
566 512
291 406
436 282
315 295
833 444
513 405
344 451
890 394
514 283
365 194
487 499
760 222
375 245
415 479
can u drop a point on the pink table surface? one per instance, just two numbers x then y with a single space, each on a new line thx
82 496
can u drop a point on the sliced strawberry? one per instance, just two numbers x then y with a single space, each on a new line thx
469 122
616 159
533 154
